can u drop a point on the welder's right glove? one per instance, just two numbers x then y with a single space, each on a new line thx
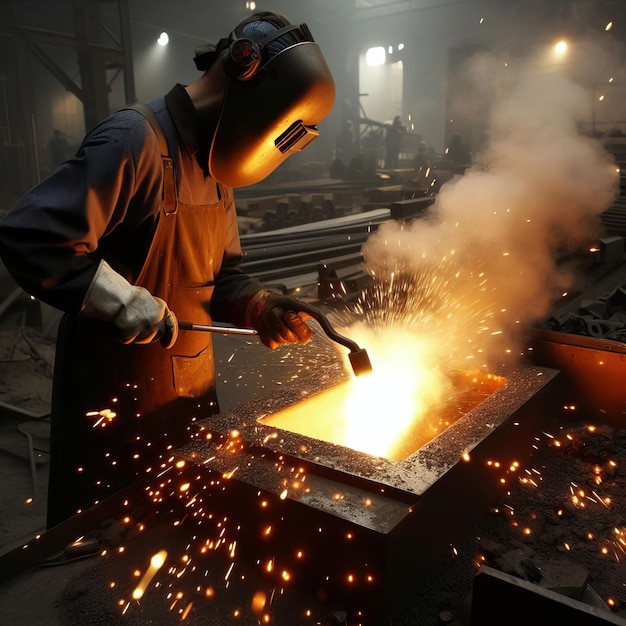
135 314
278 319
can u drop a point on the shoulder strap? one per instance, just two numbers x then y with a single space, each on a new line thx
170 199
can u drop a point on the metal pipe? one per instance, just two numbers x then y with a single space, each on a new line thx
224 330
359 358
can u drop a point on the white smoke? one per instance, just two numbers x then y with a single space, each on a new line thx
488 263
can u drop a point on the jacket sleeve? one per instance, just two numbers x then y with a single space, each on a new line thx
233 287
48 240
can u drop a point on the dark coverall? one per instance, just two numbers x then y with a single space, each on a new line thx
105 203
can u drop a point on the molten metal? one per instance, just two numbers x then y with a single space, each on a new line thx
329 416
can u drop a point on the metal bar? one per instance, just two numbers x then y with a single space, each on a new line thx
44 58
224 330
127 55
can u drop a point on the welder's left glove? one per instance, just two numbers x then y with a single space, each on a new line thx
278 319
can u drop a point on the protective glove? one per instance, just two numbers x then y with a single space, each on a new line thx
136 315
278 319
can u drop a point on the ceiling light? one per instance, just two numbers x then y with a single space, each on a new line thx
375 56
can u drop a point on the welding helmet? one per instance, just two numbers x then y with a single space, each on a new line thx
278 89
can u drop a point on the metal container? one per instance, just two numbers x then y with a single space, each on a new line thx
385 519
593 372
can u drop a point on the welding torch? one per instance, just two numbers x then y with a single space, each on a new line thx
359 359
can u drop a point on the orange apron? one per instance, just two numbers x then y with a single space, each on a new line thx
156 394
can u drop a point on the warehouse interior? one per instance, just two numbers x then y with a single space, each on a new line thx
489 288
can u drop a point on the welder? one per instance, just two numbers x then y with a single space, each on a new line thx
131 234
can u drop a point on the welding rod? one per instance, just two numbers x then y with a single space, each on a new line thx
225 330
359 358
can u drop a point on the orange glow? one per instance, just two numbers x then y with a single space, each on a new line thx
156 562
405 384
104 417
259 599
186 611
403 404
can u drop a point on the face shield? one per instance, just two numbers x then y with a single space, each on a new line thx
270 112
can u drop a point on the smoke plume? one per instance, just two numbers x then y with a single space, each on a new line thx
491 257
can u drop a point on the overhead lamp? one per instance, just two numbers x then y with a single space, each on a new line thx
375 56
163 39
561 47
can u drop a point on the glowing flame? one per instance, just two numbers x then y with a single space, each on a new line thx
403 404
404 383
